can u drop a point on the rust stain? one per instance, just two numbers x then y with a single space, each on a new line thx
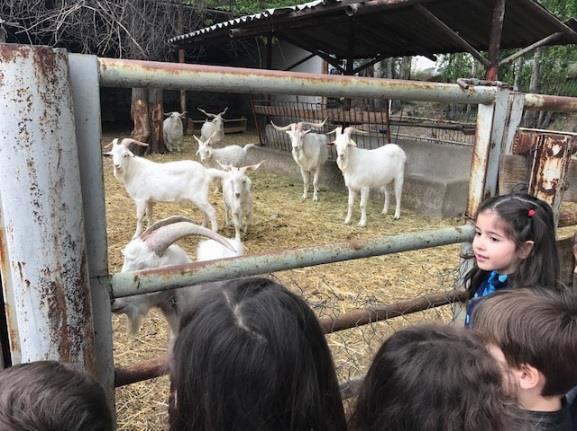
357 244
12 332
9 52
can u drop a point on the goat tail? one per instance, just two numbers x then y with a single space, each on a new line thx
215 173
247 146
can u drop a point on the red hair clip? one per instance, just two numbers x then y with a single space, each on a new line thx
531 212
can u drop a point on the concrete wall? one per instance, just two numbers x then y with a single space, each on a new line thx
436 175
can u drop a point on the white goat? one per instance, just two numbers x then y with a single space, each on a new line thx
214 127
172 131
234 155
147 182
309 151
155 248
365 169
237 194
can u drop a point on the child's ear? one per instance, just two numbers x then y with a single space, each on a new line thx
528 377
525 249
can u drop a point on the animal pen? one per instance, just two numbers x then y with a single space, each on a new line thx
53 252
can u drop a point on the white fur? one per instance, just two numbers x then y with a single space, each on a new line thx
365 169
173 132
147 182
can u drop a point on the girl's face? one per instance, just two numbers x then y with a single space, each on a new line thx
494 251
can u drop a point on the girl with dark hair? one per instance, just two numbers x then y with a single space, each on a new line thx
252 356
433 378
514 246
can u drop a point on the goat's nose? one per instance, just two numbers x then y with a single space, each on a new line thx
237 195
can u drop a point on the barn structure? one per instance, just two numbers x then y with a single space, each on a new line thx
353 35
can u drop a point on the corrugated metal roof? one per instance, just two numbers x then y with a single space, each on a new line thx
390 28
255 17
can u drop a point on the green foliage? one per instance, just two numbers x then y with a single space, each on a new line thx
554 62
246 7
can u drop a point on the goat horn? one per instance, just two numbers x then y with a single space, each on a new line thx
208 114
281 129
127 141
200 141
315 125
164 233
359 131
224 112
335 130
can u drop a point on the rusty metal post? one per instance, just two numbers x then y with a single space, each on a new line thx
550 166
490 134
487 150
43 251
86 92
182 92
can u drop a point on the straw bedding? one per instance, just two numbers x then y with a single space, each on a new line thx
283 221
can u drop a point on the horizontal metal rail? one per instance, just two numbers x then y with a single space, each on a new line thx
159 366
194 77
171 277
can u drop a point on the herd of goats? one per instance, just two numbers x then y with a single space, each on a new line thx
147 182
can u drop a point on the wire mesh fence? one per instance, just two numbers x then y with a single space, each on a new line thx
424 123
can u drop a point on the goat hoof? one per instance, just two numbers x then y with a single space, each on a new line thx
315 198
362 223
347 222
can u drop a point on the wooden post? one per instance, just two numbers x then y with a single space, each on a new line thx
182 92
495 40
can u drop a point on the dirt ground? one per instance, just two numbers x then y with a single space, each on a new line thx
283 221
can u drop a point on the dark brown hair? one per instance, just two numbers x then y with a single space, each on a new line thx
252 356
51 396
541 267
431 378
537 327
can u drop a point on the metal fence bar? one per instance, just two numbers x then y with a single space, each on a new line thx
177 76
153 280
146 370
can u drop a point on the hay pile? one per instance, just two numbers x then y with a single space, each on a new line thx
283 221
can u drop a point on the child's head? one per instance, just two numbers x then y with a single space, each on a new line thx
515 234
535 333
252 356
429 378
50 396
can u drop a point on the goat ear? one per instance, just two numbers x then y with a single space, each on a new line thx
167 114
335 130
107 154
306 131
224 167
252 167
351 143
331 144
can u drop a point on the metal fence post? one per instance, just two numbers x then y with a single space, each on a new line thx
43 251
84 80
491 131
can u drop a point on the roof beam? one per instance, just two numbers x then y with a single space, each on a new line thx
449 32
298 63
369 63
331 60
537 8
551 38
